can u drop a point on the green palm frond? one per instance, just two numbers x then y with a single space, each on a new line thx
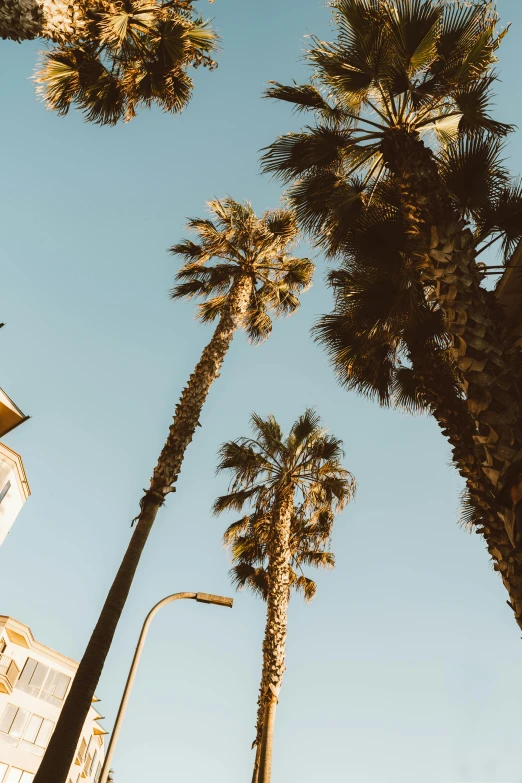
317 558
420 66
502 218
257 322
244 576
469 515
306 587
235 529
406 395
307 459
305 97
249 540
473 172
232 244
315 148
473 101
134 55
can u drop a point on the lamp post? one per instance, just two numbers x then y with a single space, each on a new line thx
205 598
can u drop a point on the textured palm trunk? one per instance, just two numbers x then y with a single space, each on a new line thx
60 753
56 20
265 765
274 644
441 247
458 425
255 773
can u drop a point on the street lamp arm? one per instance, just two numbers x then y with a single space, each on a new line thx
206 598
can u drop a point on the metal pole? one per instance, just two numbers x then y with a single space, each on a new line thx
205 598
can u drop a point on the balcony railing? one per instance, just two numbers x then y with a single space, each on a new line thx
9 672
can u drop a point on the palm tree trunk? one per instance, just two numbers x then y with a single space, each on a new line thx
56 20
265 770
458 425
442 248
59 756
255 774
274 644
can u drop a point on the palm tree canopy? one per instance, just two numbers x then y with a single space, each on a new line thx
384 306
401 66
249 539
235 243
383 310
131 54
307 462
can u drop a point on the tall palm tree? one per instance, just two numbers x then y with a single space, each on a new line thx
401 73
294 486
111 58
239 265
250 539
387 338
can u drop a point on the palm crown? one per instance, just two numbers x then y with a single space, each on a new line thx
307 462
249 541
235 244
385 311
382 314
408 66
132 53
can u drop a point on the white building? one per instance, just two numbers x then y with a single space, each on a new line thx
14 488
34 681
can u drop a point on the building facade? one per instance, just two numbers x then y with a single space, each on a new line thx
14 488
34 681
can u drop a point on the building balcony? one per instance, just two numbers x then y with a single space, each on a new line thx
9 672
10 414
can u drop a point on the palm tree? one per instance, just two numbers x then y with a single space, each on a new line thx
294 485
240 267
388 339
249 541
401 70
111 58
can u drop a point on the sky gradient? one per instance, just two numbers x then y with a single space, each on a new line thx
407 665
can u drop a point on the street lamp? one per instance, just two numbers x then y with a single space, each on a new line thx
204 598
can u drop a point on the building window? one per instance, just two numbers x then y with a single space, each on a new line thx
39 680
93 762
19 776
3 770
32 677
81 750
5 490
37 735
55 687
98 772
3 645
12 724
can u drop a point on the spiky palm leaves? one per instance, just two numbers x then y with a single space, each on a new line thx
397 69
294 486
385 306
249 542
400 69
240 266
387 336
111 58
236 244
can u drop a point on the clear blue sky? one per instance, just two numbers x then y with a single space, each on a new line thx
407 666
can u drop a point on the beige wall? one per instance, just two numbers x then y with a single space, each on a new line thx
12 471
15 752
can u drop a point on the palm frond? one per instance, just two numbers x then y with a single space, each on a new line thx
133 54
